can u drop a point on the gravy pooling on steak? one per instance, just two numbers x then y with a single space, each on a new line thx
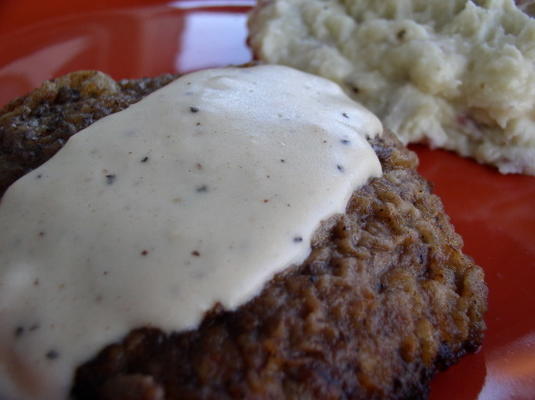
195 196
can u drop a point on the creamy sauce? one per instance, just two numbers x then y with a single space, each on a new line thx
198 194
456 74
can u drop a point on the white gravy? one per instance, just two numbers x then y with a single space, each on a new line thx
198 194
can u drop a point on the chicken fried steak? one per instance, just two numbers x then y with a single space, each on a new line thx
384 301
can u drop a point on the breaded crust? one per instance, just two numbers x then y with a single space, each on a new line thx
384 301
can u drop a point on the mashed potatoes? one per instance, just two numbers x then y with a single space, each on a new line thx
457 74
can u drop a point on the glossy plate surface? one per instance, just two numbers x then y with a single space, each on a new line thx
495 214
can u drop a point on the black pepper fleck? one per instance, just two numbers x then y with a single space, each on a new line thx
202 189
145 159
39 176
19 331
355 89
198 165
144 252
266 201
345 142
283 160
52 355
401 34
41 234
194 109
110 178
345 115
198 124
298 239
340 168
195 253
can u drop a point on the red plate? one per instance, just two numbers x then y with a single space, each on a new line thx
494 213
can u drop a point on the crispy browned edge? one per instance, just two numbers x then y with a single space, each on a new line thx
385 299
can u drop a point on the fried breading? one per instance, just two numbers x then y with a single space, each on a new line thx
384 301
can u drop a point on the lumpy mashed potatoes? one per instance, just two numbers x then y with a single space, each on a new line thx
457 74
